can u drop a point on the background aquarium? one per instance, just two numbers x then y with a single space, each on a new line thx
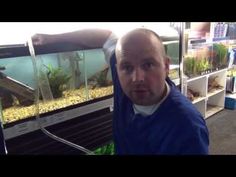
206 57
172 50
65 79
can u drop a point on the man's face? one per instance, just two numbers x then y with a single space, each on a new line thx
142 69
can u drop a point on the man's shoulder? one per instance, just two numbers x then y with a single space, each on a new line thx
179 103
182 109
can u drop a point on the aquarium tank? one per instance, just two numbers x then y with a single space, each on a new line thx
65 79
203 58
67 76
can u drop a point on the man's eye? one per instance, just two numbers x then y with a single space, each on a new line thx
127 68
147 65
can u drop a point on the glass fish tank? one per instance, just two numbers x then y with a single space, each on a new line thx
64 78
172 50
59 78
205 57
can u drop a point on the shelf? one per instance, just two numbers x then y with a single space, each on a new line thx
176 81
216 97
231 95
174 67
213 101
201 106
209 94
195 78
198 99
212 110
174 74
218 72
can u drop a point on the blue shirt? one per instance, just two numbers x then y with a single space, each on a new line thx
176 127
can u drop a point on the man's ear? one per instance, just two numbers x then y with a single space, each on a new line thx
167 64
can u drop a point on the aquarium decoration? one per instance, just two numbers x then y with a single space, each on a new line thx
73 58
213 84
99 79
11 89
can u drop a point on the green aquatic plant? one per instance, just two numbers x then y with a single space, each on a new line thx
102 78
202 65
190 66
57 80
220 58
105 150
99 79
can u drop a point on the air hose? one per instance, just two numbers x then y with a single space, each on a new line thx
36 75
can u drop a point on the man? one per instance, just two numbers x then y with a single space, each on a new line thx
151 116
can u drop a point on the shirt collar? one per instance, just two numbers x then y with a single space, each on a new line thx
148 110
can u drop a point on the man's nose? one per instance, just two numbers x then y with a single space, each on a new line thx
138 75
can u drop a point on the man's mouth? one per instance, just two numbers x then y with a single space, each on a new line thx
139 90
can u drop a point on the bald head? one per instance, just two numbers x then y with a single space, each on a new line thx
135 39
142 66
